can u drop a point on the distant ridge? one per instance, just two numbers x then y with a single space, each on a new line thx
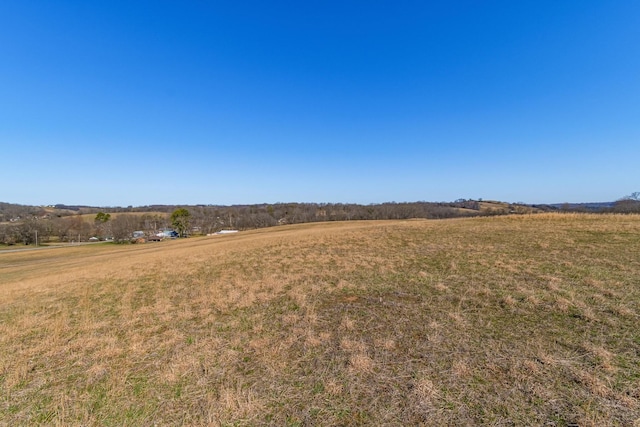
592 206
74 207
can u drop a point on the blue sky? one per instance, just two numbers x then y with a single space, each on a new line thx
132 102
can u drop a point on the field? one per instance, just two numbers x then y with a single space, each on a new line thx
515 320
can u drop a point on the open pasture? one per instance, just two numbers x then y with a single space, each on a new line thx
517 320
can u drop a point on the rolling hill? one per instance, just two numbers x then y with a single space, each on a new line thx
510 320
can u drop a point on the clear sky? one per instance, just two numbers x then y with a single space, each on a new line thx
116 103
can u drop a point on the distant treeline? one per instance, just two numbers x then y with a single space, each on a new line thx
21 223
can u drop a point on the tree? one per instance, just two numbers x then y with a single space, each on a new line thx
102 224
26 231
102 217
180 221
628 204
8 234
123 227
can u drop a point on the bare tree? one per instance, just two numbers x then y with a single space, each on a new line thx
628 204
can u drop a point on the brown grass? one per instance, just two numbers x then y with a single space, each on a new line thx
523 320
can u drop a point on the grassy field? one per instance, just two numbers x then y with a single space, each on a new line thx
519 320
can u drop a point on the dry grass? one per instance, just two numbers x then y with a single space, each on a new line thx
524 320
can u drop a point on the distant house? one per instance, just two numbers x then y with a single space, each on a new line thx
168 234
227 231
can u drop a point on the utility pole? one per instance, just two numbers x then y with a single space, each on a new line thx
36 238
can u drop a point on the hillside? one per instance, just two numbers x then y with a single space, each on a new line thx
60 224
509 320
